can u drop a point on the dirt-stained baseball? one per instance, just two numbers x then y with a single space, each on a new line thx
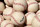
32 6
1 19
19 5
9 2
29 17
18 18
7 23
2 7
7 13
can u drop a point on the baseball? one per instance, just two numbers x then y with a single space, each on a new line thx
39 5
7 23
2 7
27 26
9 2
7 13
36 21
29 17
18 18
1 19
32 6
19 5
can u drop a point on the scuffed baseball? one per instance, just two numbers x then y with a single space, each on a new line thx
18 18
9 2
32 6
7 23
29 17
7 13
19 5
2 7
1 19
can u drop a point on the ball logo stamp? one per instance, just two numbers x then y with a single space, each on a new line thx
22 19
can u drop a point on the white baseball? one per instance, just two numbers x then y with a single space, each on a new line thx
27 26
36 20
19 5
18 18
29 18
32 6
9 2
2 7
7 23
7 13
1 19
39 5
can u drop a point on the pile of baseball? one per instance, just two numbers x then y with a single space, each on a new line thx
20 13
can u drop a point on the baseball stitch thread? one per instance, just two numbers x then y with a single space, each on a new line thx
37 18
8 2
8 14
32 3
19 4
26 16
8 24
15 20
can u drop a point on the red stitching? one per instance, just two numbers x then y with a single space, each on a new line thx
15 20
19 4
7 24
8 2
32 3
29 24
37 18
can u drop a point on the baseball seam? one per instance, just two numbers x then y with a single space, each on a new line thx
15 20
19 4
8 24
32 3
37 18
